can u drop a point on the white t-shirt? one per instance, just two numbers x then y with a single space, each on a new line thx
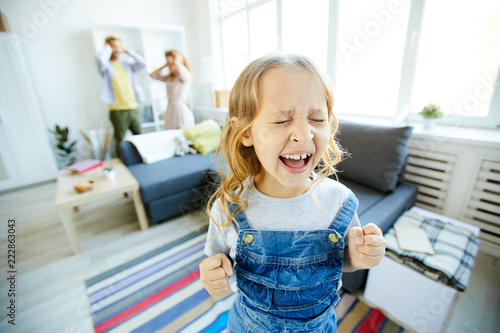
268 213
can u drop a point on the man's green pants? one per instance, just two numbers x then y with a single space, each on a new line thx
123 120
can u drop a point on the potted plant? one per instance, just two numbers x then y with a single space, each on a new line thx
430 113
65 148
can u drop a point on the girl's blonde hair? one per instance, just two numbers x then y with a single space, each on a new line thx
175 53
243 104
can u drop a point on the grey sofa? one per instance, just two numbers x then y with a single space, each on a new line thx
374 172
172 186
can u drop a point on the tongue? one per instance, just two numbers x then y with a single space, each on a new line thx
293 163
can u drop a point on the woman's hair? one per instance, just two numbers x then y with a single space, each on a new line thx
242 161
109 39
175 53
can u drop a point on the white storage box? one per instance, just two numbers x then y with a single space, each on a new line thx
409 296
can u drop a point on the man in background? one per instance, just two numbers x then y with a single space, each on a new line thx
120 89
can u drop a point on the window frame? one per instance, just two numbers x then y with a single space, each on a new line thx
410 55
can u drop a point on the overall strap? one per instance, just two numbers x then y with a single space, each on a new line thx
240 217
345 214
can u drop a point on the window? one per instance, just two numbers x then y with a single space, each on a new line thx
235 37
458 58
371 38
249 31
263 35
305 30
387 58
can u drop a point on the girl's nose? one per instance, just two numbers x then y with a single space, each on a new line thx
301 132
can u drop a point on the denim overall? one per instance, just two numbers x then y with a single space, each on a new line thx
288 280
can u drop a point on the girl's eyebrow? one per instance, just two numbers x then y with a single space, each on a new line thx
289 113
283 113
315 111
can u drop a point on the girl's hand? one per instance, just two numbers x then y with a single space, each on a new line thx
366 246
214 273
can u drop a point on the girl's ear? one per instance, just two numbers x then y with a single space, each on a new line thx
246 138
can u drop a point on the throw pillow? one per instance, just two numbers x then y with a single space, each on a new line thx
376 154
205 135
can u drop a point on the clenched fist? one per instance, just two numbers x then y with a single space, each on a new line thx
214 273
366 246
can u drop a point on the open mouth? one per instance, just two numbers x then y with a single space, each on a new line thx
295 161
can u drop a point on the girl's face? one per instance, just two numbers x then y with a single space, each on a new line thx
290 131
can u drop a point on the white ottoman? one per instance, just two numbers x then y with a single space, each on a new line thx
409 296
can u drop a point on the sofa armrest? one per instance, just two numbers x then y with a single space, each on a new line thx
129 154
390 207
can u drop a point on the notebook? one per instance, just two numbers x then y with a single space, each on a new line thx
413 239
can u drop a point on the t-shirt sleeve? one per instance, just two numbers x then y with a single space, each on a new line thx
215 241
354 223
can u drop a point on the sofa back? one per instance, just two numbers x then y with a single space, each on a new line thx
376 154
129 154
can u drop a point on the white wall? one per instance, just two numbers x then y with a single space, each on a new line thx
199 43
57 40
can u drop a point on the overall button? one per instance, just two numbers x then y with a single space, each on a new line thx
247 239
333 238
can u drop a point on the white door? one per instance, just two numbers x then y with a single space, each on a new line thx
25 154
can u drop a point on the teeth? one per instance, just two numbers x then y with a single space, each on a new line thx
297 157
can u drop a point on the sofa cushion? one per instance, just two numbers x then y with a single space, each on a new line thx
206 136
172 175
379 208
376 154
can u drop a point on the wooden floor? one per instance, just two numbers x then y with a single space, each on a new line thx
50 292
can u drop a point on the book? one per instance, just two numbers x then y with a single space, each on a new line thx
84 165
412 238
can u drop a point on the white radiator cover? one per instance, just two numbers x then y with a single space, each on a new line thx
459 178
483 208
432 172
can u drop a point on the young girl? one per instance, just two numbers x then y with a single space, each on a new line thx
279 226
178 114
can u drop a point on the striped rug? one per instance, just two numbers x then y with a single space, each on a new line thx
161 292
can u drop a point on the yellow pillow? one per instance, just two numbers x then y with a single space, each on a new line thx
206 136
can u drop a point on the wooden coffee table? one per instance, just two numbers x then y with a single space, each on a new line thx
67 198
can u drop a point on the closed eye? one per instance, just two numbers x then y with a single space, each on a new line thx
281 122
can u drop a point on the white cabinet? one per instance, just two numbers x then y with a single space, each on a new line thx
25 154
151 42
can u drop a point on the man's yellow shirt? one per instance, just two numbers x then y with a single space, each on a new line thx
122 89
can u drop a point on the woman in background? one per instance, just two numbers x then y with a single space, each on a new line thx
178 114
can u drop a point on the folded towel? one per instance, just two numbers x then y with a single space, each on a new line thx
455 250
156 146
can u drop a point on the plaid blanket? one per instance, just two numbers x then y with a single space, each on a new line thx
455 250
